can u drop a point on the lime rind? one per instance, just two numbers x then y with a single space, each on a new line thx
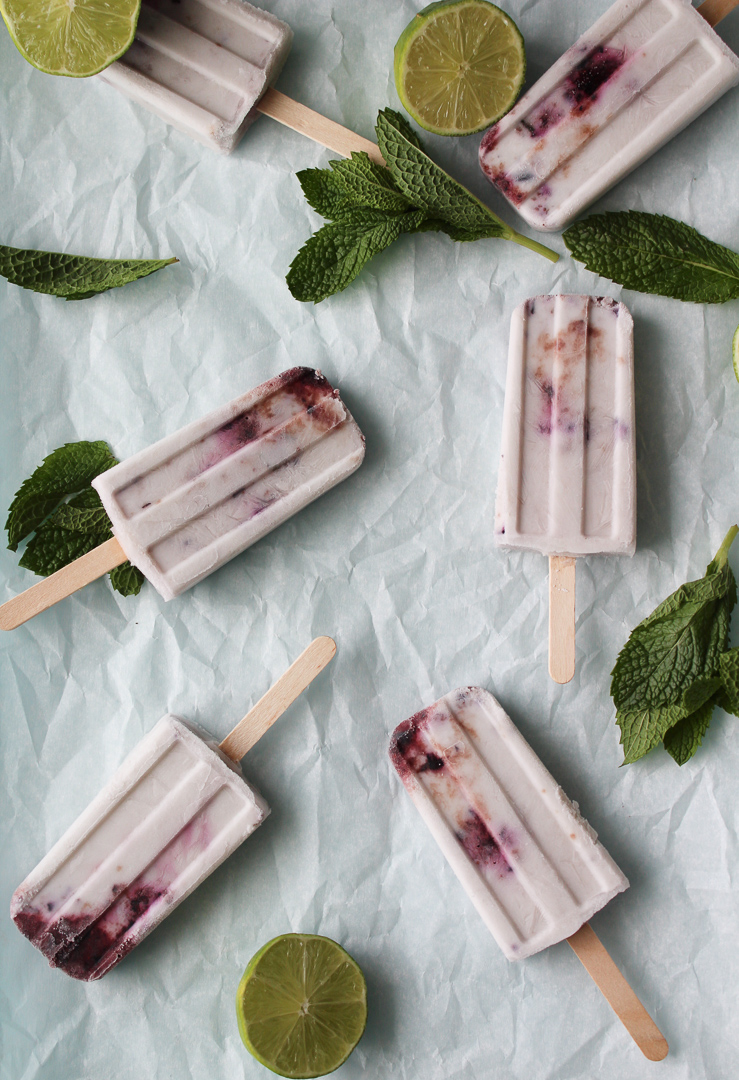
459 66
735 353
301 1005
74 38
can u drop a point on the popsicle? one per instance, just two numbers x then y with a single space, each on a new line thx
175 809
528 860
642 73
191 502
207 67
567 476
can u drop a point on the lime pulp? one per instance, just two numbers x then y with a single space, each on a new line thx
459 66
301 1005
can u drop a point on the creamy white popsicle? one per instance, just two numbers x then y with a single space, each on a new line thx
202 65
567 475
642 73
174 810
194 500
191 502
528 860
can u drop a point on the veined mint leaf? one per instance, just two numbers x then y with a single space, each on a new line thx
368 184
682 740
51 548
325 193
669 676
74 277
427 186
729 670
655 254
643 729
333 256
680 642
127 579
64 531
66 471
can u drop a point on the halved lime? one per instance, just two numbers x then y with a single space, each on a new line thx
459 66
71 37
301 1005
735 353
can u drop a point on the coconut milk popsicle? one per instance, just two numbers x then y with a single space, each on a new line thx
528 860
641 74
567 476
175 809
191 502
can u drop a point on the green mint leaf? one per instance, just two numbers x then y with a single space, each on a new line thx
368 184
65 472
325 193
427 186
52 547
682 740
729 670
332 257
643 729
680 642
655 254
73 277
64 531
127 579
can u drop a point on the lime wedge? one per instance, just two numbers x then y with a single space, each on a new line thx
71 37
459 66
301 1005
735 353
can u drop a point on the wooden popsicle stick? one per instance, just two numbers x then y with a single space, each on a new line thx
561 618
613 986
282 694
713 11
311 124
61 584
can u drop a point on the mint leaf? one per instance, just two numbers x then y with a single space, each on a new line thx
682 740
73 277
655 254
325 193
368 184
66 471
729 670
127 579
65 530
668 675
427 186
678 643
643 729
333 256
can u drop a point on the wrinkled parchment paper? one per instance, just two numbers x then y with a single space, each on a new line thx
397 564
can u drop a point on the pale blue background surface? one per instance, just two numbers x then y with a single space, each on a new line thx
398 564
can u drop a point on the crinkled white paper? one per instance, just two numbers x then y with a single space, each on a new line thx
398 564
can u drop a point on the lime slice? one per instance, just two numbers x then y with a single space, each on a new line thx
301 1005
71 37
735 353
459 66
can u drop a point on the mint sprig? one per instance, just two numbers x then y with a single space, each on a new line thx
369 206
73 277
651 253
64 513
676 667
